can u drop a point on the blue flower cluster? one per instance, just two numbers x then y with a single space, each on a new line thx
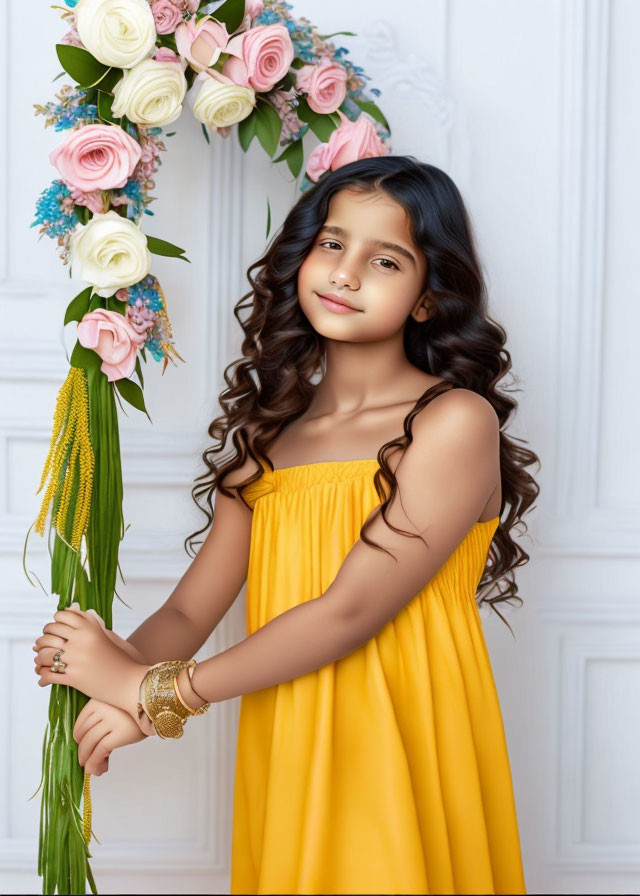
267 17
66 115
155 348
133 191
49 212
145 291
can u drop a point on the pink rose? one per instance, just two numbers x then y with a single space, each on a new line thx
92 200
165 54
167 15
259 57
112 337
325 84
72 38
351 140
96 157
201 43
253 8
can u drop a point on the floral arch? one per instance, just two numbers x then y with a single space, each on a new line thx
242 65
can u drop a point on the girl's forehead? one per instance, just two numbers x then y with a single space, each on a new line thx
367 211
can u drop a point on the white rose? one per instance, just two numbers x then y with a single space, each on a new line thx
117 32
221 105
150 93
110 252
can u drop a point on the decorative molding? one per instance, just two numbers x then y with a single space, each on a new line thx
576 525
408 78
569 849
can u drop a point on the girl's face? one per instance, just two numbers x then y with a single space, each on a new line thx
384 283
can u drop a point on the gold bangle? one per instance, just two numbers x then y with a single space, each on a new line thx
168 713
190 672
189 709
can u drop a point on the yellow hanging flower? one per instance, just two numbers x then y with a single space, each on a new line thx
70 462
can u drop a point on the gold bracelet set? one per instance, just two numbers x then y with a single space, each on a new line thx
160 698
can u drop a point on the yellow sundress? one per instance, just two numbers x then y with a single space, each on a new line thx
386 771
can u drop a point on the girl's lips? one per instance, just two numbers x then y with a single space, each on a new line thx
336 306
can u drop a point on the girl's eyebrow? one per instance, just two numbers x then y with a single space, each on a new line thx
339 231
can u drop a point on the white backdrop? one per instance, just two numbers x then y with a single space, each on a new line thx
530 107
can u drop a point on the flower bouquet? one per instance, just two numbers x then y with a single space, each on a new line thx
133 63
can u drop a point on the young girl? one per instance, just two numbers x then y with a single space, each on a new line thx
371 753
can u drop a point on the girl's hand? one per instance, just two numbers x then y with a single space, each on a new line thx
128 648
98 730
94 664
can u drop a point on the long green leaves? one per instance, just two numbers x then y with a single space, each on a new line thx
62 852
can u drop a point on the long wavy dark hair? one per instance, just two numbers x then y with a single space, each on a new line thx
272 383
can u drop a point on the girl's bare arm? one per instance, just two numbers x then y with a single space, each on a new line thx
445 479
213 580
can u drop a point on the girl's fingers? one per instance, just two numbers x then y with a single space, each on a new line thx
91 739
59 628
44 657
84 721
72 618
49 641
97 617
97 767
97 770
99 757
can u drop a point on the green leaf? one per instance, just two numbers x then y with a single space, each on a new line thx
61 75
373 110
230 13
334 33
294 157
287 82
321 125
247 130
139 372
268 217
268 127
96 302
114 304
78 307
204 131
83 213
80 64
132 393
162 247
167 40
105 102
85 357
105 82
110 79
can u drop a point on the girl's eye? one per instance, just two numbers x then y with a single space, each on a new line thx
388 260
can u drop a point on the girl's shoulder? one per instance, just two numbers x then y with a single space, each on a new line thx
458 400
454 412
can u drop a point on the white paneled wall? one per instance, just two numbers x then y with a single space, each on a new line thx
532 108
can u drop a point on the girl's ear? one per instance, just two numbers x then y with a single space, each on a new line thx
422 309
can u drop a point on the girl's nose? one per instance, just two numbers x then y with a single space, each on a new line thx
345 277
